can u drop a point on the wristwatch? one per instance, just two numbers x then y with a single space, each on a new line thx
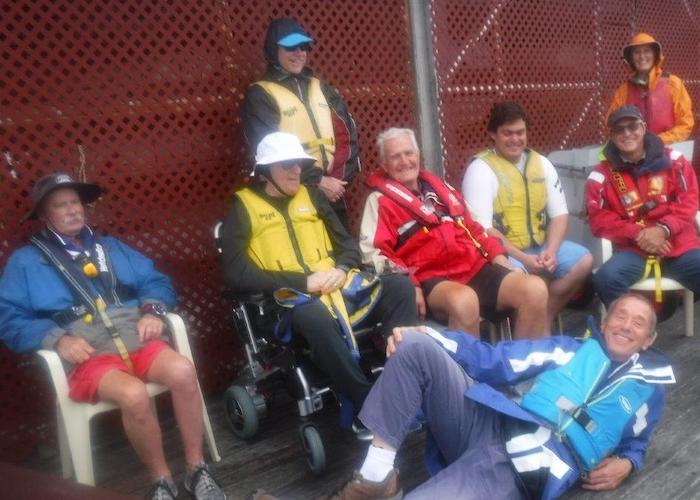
154 308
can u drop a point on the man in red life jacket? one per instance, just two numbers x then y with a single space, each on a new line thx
417 222
644 198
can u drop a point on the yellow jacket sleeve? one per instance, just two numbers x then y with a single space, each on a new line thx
682 112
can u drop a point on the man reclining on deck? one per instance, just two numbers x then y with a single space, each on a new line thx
100 305
575 410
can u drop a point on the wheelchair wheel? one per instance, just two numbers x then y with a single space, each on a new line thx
240 411
313 449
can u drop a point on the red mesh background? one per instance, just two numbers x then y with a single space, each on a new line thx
150 94
560 59
676 26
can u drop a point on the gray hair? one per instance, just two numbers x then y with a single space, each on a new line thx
641 298
393 133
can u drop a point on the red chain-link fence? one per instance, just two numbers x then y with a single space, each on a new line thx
146 97
561 59
149 93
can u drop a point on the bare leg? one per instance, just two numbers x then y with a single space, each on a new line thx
141 426
563 289
458 303
178 374
527 295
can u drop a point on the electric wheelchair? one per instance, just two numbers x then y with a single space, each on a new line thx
272 365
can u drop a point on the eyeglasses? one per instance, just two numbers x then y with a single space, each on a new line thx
305 47
631 127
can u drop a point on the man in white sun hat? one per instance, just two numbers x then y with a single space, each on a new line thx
283 238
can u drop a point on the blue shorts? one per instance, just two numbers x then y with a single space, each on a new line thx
568 255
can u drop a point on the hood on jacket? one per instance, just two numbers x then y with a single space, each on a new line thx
654 158
277 31
642 39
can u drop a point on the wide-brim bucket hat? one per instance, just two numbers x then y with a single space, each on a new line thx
50 183
278 147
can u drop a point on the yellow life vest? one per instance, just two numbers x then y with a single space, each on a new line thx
519 209
295 241
311 122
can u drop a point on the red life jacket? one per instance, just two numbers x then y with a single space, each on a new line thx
650 191
423 213
655 104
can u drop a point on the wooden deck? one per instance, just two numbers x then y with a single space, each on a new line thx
274 460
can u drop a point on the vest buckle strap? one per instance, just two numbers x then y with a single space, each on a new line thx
584 419
67 316
321 141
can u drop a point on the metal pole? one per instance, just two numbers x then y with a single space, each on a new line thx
426 85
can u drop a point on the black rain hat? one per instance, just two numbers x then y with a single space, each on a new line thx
50 183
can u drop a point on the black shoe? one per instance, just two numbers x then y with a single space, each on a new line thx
362 433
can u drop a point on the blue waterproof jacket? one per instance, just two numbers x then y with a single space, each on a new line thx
32 289
512 367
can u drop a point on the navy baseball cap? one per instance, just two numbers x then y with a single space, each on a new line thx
624 112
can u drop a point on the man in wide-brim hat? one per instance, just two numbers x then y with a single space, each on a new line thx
100 305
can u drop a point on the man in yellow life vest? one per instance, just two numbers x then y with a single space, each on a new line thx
289 98
515 193
282 235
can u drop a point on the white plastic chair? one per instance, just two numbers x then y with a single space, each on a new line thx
667 284
74 417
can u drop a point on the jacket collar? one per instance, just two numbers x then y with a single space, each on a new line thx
276 74
654 160
651 365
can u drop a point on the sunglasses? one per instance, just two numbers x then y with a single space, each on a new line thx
630 127
288 165
305 47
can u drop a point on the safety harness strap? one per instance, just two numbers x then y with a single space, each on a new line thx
653 264
76 280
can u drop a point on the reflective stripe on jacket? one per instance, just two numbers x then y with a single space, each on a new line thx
571 399
516 364
398 226
676 205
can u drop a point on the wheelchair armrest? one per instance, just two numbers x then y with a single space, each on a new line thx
257 298
55 367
